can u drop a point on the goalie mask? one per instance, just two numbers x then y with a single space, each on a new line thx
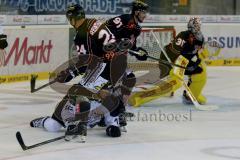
194 25
75 11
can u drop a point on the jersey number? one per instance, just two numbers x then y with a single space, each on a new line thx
81 49
118 22
109 37
180 42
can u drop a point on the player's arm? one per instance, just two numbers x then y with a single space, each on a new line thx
174 48
76 68
141 54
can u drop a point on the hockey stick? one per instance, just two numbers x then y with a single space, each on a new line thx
24 147
194 100
159 60
33 83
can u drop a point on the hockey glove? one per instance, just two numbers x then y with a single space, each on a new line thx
143 54
3 41
193 68
113 131
66 75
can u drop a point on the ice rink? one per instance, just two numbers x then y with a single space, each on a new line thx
183 134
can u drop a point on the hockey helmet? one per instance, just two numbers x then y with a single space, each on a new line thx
75 11
194 25
139 6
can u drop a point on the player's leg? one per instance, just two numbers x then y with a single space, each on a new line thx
125 89
196 85
71 112
128 82
54 123
111 118
105 115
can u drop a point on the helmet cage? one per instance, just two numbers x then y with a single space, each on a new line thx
194 25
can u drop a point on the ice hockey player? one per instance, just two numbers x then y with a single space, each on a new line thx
73 111
3 39
184 49
127 26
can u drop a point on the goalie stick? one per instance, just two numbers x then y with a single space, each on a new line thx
194 100
24 147
159 60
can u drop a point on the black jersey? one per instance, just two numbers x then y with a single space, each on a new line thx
185 44
92 38
82 39
124 26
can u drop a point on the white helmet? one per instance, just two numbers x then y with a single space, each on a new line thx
194 25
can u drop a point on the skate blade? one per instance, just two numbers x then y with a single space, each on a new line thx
207 107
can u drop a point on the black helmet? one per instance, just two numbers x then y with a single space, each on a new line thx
139 6
75 11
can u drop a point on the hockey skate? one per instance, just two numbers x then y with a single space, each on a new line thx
76 132
38 122
122 122
186 99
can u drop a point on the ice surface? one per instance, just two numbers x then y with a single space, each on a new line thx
191 135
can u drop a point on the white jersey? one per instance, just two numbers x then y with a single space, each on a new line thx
97 111
94 80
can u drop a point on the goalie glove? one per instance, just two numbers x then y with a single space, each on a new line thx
193 66
3 41
143 54
193 70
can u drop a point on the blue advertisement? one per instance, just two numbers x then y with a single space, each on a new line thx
30 7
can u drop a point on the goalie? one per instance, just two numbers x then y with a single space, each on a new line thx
183 50
188 44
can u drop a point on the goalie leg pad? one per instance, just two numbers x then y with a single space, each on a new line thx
197 83
170 84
